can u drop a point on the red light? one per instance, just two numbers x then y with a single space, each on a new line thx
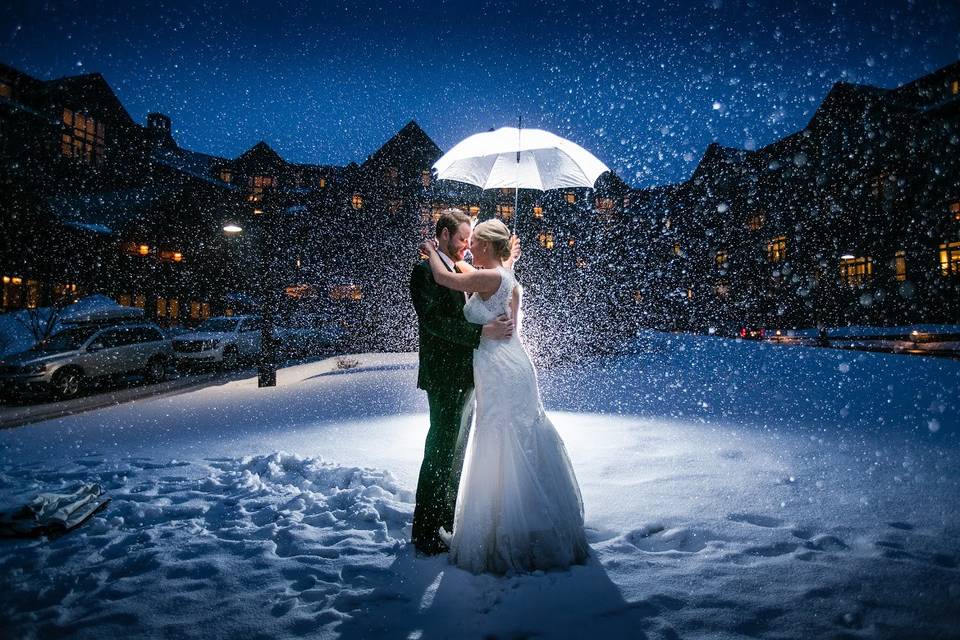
743 332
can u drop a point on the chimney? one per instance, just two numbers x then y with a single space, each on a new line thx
158 130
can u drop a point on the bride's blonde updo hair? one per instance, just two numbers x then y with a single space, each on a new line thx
497 234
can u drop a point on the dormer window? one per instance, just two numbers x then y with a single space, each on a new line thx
720 260
546 240
392 176
570 197
955 211
356 201
505 211
226 175
82 138
322 183
604 204
755 222
538 212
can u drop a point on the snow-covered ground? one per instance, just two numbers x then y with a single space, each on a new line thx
732 490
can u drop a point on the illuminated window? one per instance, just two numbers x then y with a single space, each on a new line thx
394 205
124 300
6 90
581 263
136 249
546 240
900 265
173 308
161 307
12 292
346 292
356 201
473 211
720 259
505 211
570 197
33 294
638 296
604 204
64 291
226 175
955 87
205 310
171 256
755 222
677 249
538 212
950 258
426 177
856 271
139 301
777 249
571 242
82 138
257 185
194 310
392 176
689 294
322 183
955 210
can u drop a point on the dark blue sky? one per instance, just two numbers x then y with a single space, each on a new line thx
645 86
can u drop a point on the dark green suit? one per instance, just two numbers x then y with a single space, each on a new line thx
447 342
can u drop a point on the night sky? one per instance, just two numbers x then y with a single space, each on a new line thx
645 86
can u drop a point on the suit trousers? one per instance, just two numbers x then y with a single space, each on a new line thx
450 413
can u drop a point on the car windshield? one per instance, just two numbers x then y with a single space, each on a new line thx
67 340
222 325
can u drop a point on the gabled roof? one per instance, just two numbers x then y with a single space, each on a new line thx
844 100
717 154
410 137
88 88
191 163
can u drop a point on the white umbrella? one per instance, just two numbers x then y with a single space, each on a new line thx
519 159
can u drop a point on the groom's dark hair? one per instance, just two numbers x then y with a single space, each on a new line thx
451 219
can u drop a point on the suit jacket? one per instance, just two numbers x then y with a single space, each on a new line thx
447 340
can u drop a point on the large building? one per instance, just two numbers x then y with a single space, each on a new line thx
854 219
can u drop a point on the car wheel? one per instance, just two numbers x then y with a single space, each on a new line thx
230 358
156 370
67 383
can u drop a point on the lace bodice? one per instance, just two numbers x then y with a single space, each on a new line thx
480 311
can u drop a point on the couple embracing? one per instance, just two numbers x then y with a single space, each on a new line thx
497 493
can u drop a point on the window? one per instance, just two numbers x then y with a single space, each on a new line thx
722 289
955 87
570 197
777 249
473 211
346 292
571 242
257 185
6 90
322 183
392 176
666 223
139 301
546 240
12 292
394 205
505 211
194 310
538 212
356 201
755 222
955 210
426 177
900 265
67 291
82 138
171 256
689 294
124 299
720 260
604 204
677 249
161 307
173 308
581 263
637 296
950 258
226 175
856 271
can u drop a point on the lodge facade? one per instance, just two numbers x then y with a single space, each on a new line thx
855 219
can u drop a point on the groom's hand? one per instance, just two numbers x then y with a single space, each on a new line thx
499 329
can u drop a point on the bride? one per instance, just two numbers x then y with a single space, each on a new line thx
518 505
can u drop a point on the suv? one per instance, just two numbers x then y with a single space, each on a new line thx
224 340
68 359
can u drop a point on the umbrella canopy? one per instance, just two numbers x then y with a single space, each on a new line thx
524 158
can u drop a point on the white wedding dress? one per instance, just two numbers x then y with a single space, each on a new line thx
518 506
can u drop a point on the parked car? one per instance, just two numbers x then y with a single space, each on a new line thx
223 341
752 333
66 361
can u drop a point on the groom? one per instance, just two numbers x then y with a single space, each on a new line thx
447 342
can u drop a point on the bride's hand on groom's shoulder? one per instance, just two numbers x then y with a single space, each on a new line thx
427 246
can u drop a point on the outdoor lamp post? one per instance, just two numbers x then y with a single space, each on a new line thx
267 356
